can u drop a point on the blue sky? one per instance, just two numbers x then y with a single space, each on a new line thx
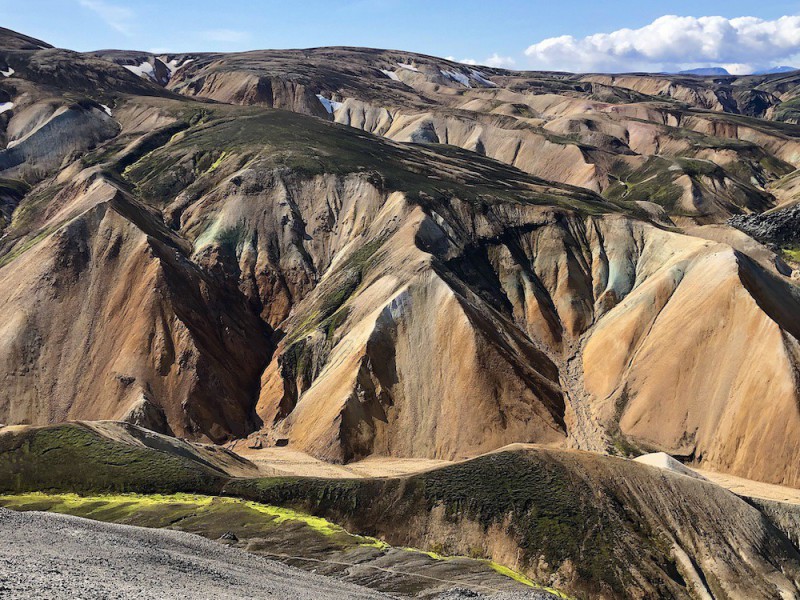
554 33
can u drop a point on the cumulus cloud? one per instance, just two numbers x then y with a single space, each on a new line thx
495 60
116 17
672 43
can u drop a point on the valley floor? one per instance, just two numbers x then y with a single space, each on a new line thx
287 461
753 489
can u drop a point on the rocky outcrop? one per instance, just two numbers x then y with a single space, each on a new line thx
779 227
35 150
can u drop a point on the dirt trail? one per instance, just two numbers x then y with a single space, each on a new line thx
755 489
288 461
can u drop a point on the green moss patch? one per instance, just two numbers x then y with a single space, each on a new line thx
74 458
205 515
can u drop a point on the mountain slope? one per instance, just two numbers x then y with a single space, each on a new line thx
592 525
481 257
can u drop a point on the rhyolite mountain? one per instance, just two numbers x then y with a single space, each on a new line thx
378 252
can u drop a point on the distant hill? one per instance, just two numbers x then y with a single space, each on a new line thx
773 70
705 71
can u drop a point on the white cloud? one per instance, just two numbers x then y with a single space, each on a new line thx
225 36
495 60
672 43
116 17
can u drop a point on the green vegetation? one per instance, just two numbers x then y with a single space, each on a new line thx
20 249
550 511
209 516
297 361
520 578
791 254
548 508
215 165
654 182
289 142
32 205
788 111
330 312
72 457
214 516
13 187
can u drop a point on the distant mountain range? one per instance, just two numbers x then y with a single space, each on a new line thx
772 70
704 71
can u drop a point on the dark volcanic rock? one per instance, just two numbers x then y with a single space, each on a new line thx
777 228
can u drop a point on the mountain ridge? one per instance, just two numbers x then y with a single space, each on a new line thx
304 270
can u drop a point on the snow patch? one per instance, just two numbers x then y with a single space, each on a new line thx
662 460
8 73
108 110
143 70
390 74
6 106
457 77
330 105
481 78
408 67
174 64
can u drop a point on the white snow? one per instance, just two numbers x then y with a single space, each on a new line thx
409 67
171 64
174 64
330 105
143 70
481 78
8 73
6 106
108 110
457 77
390 74
662 460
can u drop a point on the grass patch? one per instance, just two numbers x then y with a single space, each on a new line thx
72 457
653 182
22 248
32 205
791 254
215 165
207 515
520 578
304 146
551 512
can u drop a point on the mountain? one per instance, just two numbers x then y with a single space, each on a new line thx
373 254
707 71
188 258
773 70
